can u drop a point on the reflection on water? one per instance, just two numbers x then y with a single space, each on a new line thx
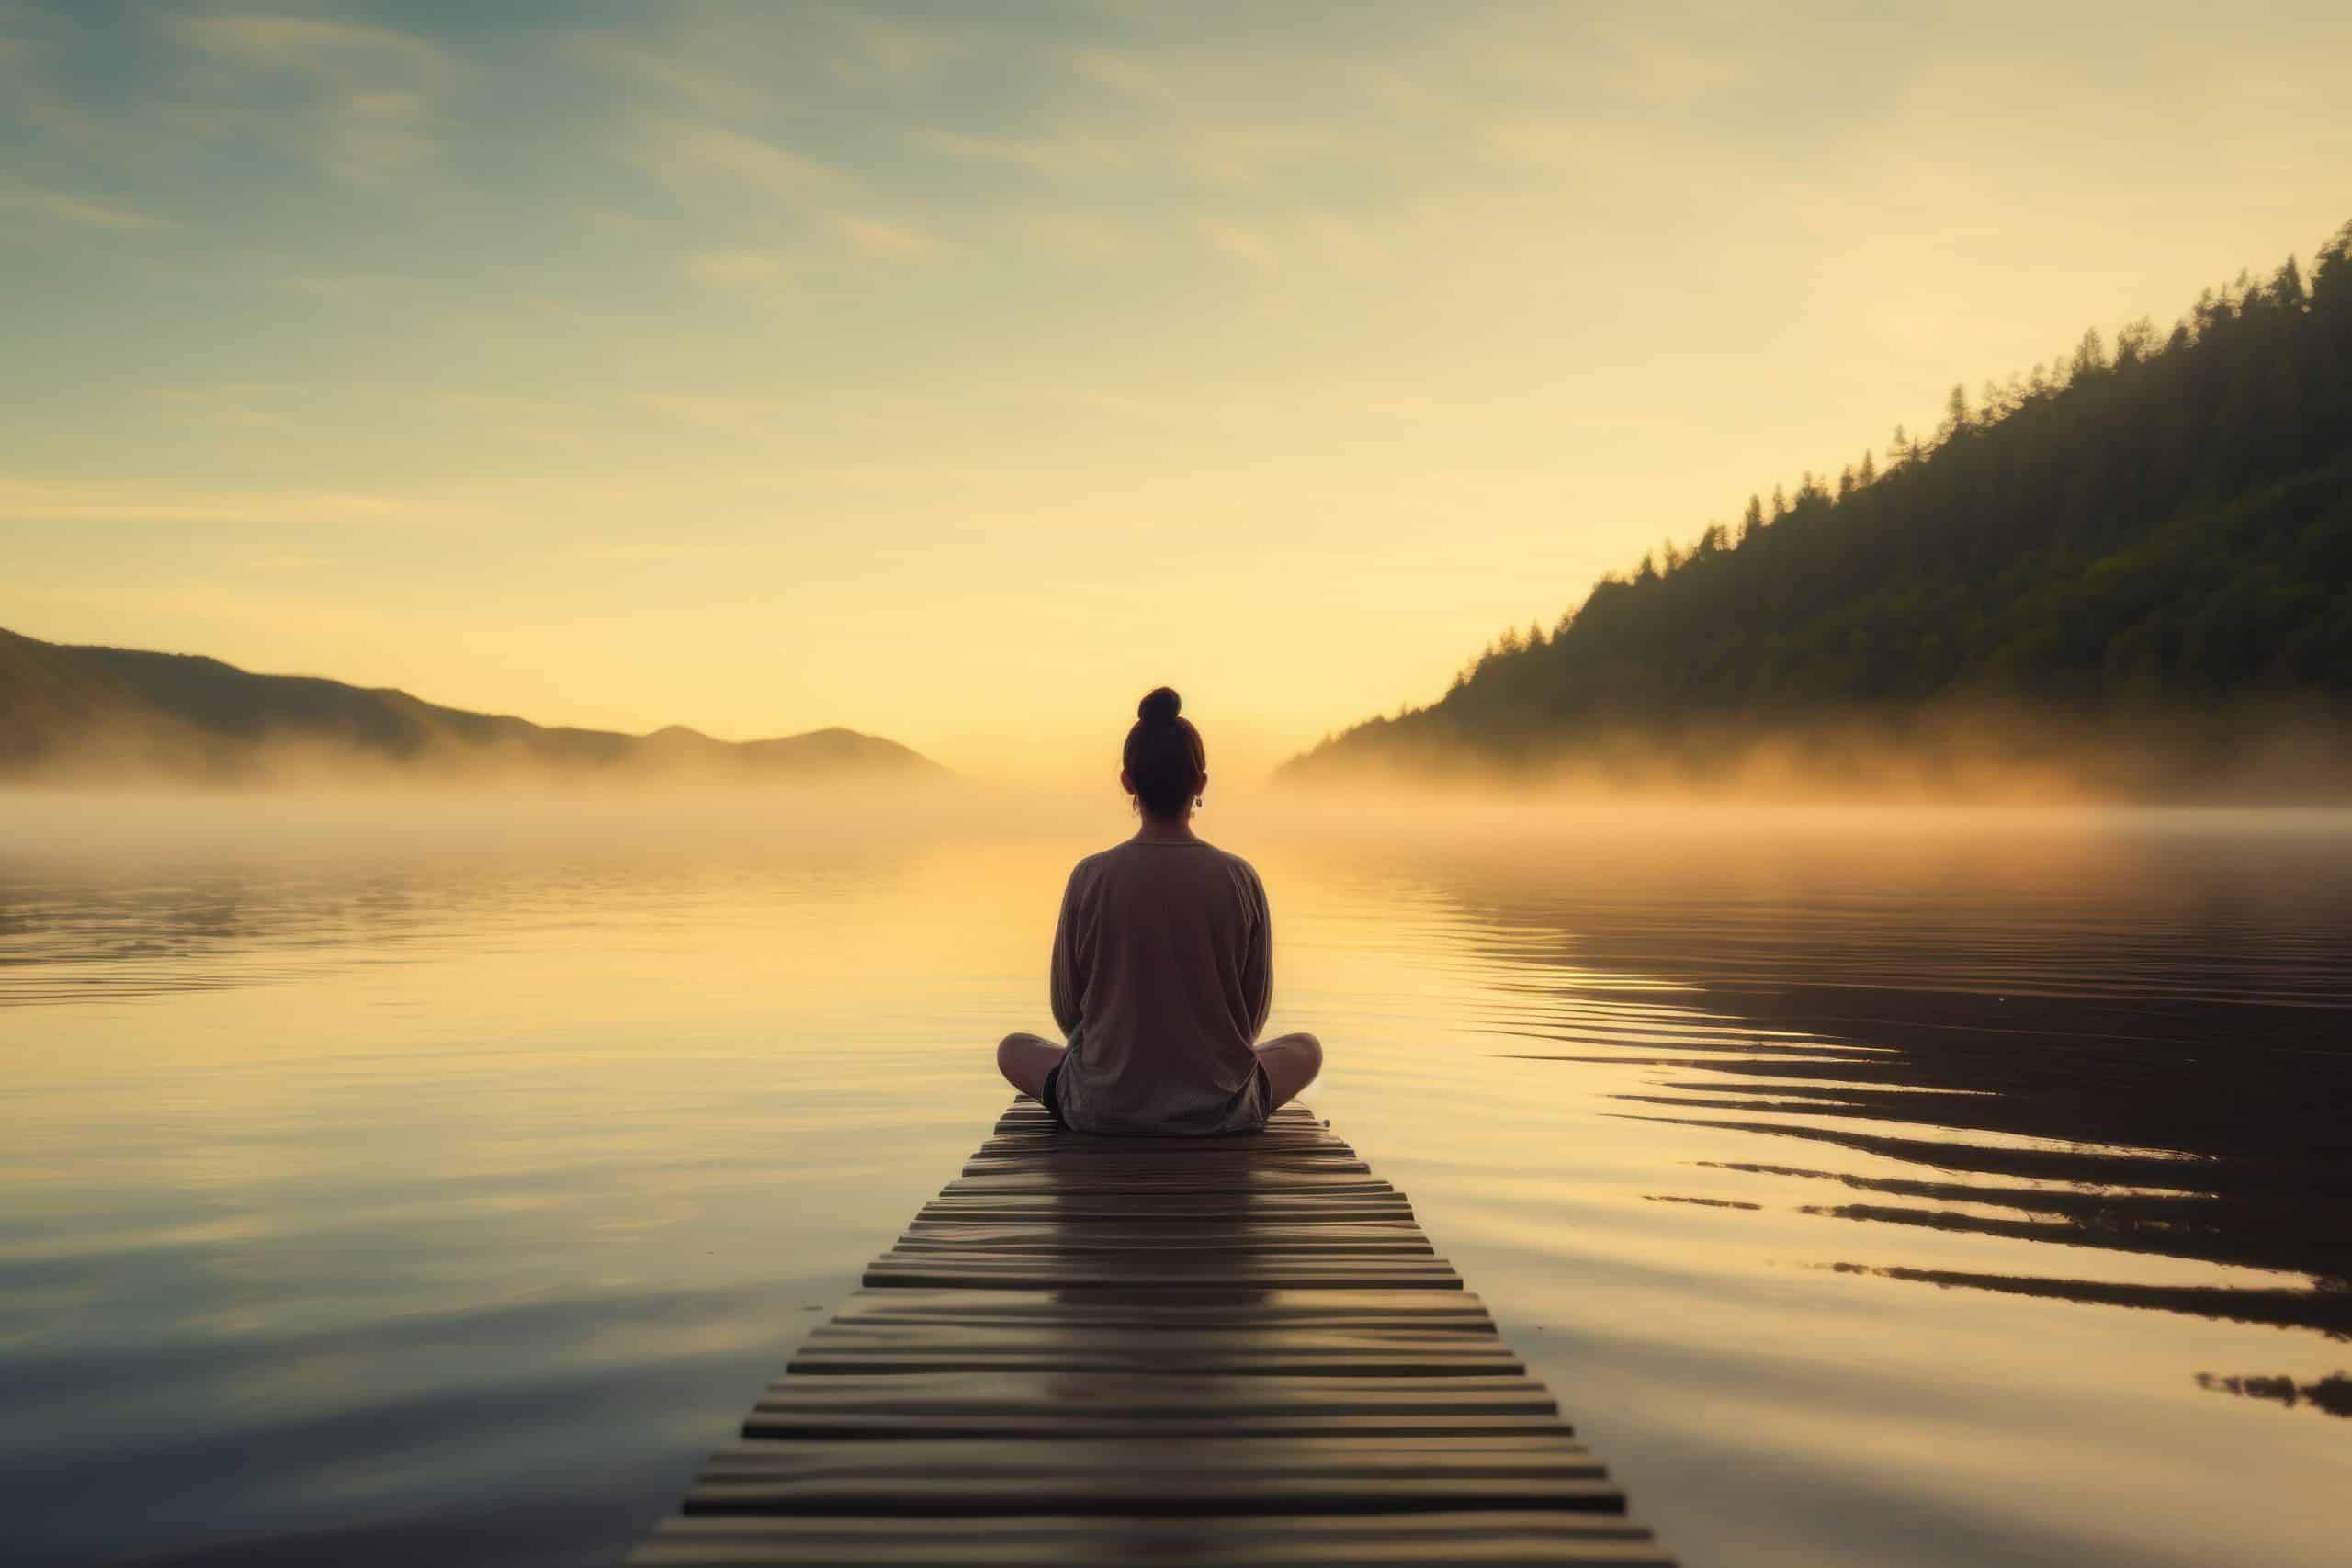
2136 1047
2332 1395
1933 1190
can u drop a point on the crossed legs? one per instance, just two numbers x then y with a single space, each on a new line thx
1025 1059
1291 1062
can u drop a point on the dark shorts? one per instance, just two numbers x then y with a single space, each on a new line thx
1048 1097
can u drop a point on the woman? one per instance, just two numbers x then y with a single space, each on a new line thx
1164 968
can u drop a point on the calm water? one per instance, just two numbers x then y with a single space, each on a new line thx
1934 1190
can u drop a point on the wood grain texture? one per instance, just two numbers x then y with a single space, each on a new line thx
1067 1207
1360 1353
1169 1393
1202 1351
1477 1539
1204 1307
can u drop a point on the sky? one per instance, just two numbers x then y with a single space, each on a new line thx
957 372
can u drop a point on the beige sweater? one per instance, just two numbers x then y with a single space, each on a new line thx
1162 976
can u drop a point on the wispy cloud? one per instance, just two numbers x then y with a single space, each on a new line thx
658 552
34 501
345 287
819 201
344 50
1235 241
1121 74
684 152
722 412
381 130
891 51
737 269
711 90
1073 237
233 405
374 87
33 94
885 242
1058 155
17 196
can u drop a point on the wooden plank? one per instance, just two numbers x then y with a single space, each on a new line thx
1024 1110
1180 1401
1126 1355
1040 1130
1195 1309
1147 1269
1366 1239
1161 1341
1533 1453
1078 1146
1315 1163
1058 1147
1082 1144
1111 1208
1359 1353
1240 1182
1181 1350
1474 1539
883 1424
1154 1477
1044 1131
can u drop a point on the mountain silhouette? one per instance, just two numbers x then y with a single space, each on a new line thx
72 712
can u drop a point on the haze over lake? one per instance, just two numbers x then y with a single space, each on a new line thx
1768 590
1931 1187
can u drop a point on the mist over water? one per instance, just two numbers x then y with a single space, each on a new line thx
1895 1185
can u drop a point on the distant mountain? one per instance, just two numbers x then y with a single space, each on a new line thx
2146 545
68 712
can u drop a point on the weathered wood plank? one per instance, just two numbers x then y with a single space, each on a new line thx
1307 1162
883 1424
1155 1477
1474 1539
1063 1141
1145 1269
1043 1130
1047 1135
1214 1351
1026 1112
1108 1464
1360 1353
1198 1310
1063 1209
1240 1182
1176 1400
1366 1239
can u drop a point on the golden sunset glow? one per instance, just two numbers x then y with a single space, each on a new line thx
955 374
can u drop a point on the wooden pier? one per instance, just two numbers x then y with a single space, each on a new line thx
1174 1351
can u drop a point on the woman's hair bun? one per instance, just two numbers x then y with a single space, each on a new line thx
1160 705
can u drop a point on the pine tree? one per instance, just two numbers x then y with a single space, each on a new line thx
2090 354
2170 526
1956 422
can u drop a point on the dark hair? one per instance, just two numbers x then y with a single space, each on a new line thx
1164 757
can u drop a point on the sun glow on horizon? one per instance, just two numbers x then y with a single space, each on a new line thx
957 378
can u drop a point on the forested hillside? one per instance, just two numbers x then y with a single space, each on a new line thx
2157 529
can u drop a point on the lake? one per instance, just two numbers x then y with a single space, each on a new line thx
443 1178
